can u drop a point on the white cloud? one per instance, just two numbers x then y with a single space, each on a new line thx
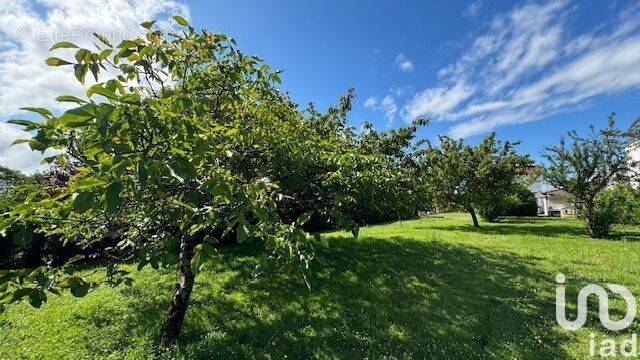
403 63
27 34
437 101
387 105
530 64
370 102
473 9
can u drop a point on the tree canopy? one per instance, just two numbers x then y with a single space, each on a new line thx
153 156
587 165
472 178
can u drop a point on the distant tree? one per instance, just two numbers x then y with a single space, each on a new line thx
522 202
587 165
472 178
10 178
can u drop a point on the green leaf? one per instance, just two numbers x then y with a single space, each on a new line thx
70 98
36 298
143 176
199 257
183 168
355 230
95 69
63 44
20 141
80 71
105 53
103 39
44 112
81 54
20 293
22 236
98 89
147 50
79 287
148 24
180 20
127 44
83 202
81 290
88 183
242 233
92 152
74 259
221 189
28 124
131 98
79 116
54 61
303 218
112 197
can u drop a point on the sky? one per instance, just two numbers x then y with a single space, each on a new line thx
528 70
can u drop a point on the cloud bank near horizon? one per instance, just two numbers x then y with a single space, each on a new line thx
28 28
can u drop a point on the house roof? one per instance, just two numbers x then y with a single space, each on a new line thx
557 193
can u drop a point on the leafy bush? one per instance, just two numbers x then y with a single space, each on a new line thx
624 200
491 210
36 249
522 203
604 213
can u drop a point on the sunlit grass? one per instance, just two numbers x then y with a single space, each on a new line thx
428 288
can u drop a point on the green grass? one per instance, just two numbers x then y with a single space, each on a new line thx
428 288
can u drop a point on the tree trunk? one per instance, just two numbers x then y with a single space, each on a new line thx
589 213
180 300
474 217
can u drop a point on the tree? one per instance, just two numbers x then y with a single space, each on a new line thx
472 178
522 202
154 152
10 178
342 177
590 164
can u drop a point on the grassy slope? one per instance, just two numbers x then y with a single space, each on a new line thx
430 288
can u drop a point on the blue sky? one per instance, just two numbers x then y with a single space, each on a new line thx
527 70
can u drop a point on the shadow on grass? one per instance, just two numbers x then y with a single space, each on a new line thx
377 298
519 228
541 227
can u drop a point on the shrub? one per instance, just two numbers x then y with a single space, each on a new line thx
603 215
521 203
625 202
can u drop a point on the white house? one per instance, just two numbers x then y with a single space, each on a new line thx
634 154
552 201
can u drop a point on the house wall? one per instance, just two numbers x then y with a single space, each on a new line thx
560 204
634 154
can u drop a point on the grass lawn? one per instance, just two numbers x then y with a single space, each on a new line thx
428 288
